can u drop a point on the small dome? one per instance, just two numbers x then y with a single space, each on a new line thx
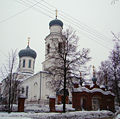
27 52
56 22
94 79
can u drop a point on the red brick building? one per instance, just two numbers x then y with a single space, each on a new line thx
60 96
92 97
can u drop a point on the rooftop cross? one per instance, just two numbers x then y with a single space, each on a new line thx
56 11
28 40
93 71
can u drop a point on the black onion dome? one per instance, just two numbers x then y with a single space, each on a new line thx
27 52
56 22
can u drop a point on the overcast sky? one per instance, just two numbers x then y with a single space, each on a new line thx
92 19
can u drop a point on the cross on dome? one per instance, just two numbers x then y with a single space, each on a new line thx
93 71
28 41
56 11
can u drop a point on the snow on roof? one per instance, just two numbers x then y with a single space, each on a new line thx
102 86
32 75
52 96
84 89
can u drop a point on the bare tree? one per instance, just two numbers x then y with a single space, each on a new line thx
109 71
67 62
114 1
10 82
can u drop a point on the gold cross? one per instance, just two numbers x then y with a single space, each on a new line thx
56 13
93 70
28 40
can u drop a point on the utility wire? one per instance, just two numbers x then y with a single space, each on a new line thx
36 4
76 20
10 17
38 10
70 22
76 24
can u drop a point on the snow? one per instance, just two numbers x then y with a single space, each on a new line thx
52 96
81 89
67 115
36 108
68 107
118 116
102 86
35 111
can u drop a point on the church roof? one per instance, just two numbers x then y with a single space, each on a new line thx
56 22
27 52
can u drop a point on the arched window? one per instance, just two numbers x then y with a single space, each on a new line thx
48 48
95 103
83 103
27 91
60 47
35 89
24 63
29 64
23 90
19 63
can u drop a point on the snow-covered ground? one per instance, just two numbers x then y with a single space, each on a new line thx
35 111
67 115
118 116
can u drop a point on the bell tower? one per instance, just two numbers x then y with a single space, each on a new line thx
52 41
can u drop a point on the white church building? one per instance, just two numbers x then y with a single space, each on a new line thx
33 86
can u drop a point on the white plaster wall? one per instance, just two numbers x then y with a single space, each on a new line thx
53 40
37 87
55 29
26 68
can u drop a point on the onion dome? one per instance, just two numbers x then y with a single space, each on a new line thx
94 79
56 22
27 52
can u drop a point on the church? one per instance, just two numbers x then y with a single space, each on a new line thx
33 86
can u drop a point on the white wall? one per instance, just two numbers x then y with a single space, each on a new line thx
37 87
26 68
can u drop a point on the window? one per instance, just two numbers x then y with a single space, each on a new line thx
19 63
48 48
23 90
29 64
83 103
24 63
60 47
27 91
95 103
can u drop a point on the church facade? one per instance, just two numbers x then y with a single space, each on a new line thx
33 86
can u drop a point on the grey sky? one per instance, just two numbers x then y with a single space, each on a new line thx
99 15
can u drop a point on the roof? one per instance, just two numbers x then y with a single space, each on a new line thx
27 52
84 89
56 22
